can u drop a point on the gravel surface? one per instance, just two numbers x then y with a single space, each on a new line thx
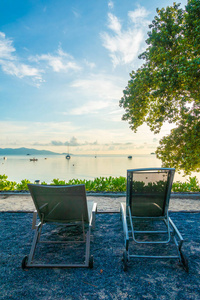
23 202
145 279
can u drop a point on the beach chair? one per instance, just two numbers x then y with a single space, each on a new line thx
145 216
67 207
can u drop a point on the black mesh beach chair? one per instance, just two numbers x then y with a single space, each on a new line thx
145 216
65 207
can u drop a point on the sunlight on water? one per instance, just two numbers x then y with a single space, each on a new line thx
80 167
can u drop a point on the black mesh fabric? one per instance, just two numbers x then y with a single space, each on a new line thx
60 203
148 191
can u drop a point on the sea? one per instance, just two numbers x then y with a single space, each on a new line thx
47 168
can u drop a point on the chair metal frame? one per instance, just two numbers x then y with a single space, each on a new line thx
28 261
128 220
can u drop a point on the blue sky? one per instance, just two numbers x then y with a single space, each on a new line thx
63 68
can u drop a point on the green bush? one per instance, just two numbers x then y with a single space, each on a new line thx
23 185
58 182
191 185
139 186
6 185
103 184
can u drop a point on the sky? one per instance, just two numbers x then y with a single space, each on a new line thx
63 67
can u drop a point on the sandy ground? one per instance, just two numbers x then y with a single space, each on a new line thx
23 202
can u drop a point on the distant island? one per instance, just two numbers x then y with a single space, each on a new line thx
26 151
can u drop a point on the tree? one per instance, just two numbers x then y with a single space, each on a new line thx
166 88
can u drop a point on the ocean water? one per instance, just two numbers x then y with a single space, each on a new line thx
46 168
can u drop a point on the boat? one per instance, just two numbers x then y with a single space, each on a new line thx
33 159
68 155
5 158
130 157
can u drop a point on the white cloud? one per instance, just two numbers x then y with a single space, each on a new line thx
114 23
72 142
57 136
11 64
6 48
125 45
116 114
138 16
20 70
60 62
100 87
110 4
76 13
40 131
101 92
90 107
91 65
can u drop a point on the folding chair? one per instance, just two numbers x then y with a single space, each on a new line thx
146 213
64 206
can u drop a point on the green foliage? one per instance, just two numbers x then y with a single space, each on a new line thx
6 185
102 184
109 184
192 185
58 182
23 185
166 88
154 187
182 145
105 184
43 182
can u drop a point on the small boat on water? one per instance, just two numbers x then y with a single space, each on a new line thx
67 156
129 157
33 159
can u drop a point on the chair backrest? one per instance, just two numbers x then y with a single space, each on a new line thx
60 203
148 191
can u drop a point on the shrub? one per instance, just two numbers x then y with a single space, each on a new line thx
23 185
102 184
6 185
191 185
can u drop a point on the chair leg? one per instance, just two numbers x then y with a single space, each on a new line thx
27 261
126 237
34 219
93 216
125 260
87 246
33 246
